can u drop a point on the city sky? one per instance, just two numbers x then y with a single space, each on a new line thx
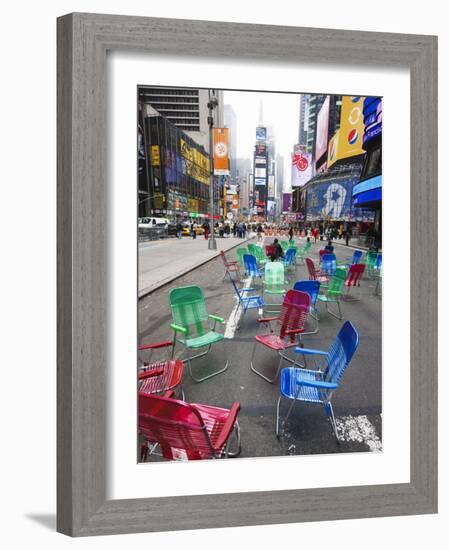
280 112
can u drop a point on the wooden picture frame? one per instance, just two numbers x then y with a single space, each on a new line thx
83 40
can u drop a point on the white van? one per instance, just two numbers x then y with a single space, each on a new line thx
153 222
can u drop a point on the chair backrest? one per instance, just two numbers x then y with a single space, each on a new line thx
236 288
284 245
337 282
188 309
290 255
370 259
311 269
311 287
225 260
341 352
378 264
356 256
355 274
241 251
328 263
322 252
295 308
269 249
175 425
252 249
329 248
250 265
274 276
260 256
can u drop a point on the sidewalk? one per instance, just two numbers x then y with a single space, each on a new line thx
160 262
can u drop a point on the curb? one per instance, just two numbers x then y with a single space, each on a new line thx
149 290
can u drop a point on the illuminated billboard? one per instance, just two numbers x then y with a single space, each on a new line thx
302 168
261 133
322 129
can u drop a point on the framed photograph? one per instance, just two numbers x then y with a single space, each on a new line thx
195 178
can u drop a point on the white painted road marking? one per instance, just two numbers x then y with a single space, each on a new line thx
358 428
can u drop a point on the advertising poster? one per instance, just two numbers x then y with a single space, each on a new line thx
259 181
302 168
286 202
261 133
221 152
322 125
271 186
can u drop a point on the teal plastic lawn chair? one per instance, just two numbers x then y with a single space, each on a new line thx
334 291
274 283
284 245
370 263
241 251
193 326
252 249
302 252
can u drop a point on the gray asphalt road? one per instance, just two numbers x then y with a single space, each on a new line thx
357 403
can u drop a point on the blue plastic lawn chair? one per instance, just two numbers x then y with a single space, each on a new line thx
312 288
289 258
251 269
328 264
246 301
318 386
356 257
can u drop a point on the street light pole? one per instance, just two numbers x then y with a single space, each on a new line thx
212 244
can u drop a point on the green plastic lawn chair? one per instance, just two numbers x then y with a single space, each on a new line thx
274 282
284 245
260 255
334 291
193 326
241 251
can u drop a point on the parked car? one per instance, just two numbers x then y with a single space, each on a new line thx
172 229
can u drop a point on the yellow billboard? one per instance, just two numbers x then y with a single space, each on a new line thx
196 164
347 141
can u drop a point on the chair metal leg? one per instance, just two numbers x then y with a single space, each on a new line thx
198 380
278 435
270 380
340 314
330 415
234 454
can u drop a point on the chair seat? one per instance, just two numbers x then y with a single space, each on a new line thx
168 379
206 339
290 376
279 291
327 298
214 419
273 341
253 302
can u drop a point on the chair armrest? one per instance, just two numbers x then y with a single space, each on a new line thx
318 384
217 318
228 426
267 319
177 328
247 289
163 344
150 373
309 351
294 331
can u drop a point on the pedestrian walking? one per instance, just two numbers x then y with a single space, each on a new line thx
244 230
315 233
348 235
206 228
227 230
193 230
290 234
234 229
179 230
259 232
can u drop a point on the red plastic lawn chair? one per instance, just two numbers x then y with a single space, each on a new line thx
231 267
269 250
353 279
187 431
159 376
289 326
314 274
